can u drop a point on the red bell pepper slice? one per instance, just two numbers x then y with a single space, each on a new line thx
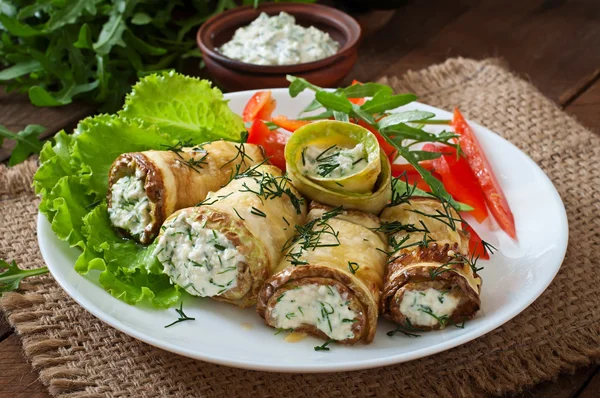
272 141
476 247
495 198
260 106
289 124
399 168
459 180
357 101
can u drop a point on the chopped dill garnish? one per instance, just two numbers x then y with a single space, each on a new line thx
182 316
324 347
353 267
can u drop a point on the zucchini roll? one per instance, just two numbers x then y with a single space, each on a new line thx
329 281
226 247
339 164
144 188
429 282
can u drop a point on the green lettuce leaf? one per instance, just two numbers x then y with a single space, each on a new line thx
184 107
72 179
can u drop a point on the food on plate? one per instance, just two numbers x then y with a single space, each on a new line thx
227 246
328 284
339 164
494 196
147 187
278 40
431 280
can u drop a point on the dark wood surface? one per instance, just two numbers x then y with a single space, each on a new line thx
555 44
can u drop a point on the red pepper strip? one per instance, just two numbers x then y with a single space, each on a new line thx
357 101
398 169
389 150
482 169
289 124
272 141
476 246
260 106
459 180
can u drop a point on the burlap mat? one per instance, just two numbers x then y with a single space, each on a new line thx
77 355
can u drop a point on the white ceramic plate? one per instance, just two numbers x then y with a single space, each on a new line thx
227 335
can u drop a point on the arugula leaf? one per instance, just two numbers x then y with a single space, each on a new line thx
403 117
12 277
299 84
425 155
84 39
334 101
401 132
27 142
383 101
20 69
367 90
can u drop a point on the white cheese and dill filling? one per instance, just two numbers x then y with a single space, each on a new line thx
319 305
200 260
333 162
130 206
428 307
277 40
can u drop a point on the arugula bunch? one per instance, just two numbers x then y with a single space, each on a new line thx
401 129
62 50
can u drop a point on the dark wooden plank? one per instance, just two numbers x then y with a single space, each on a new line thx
16 112
5 329
409 29
550 42
586 107
592 388
565 386
17 379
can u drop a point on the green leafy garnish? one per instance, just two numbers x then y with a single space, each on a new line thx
73 178
27 142
11 278
323 347
182 316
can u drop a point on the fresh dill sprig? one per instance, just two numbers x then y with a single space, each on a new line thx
257 212
445 216
392 227
182 316
406 329
207 202
178 147
324 347
353 267
281 330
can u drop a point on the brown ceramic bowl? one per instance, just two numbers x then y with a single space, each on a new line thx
235 75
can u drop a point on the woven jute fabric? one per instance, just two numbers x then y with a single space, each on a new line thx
79 356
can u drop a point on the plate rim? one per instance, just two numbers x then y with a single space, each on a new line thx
480 331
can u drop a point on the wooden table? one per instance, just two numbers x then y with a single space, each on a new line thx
553 43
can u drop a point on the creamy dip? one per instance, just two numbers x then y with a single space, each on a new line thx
130 207
318 305
333 162
200 260
428 307
277 40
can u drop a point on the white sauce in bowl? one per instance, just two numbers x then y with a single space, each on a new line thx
277 40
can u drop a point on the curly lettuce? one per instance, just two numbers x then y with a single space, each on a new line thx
72 179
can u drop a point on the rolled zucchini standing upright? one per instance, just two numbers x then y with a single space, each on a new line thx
144 188
227 247
429 283
339 164
329 281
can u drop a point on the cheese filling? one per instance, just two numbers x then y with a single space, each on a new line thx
428 307
130 206
333 162
319 305
200 260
